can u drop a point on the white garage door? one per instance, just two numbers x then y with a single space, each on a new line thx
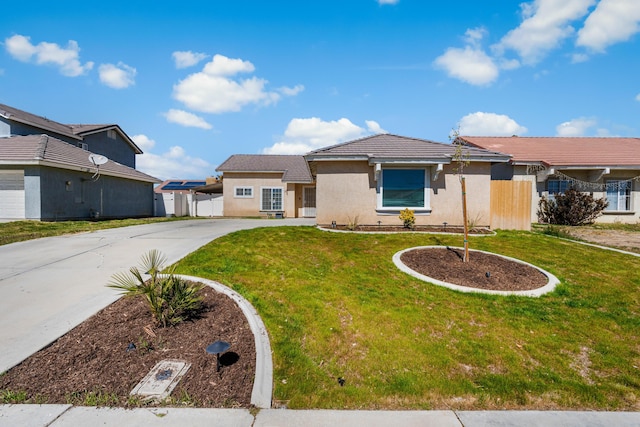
12 194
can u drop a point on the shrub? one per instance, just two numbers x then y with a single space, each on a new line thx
408 218
170 298
352 223
570 208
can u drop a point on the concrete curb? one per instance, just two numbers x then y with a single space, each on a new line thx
262 392
549 287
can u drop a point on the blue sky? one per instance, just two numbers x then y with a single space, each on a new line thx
196 81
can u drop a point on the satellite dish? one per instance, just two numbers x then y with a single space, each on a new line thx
98 159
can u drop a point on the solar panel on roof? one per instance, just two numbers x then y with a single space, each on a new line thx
182 185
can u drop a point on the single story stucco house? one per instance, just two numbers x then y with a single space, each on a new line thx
368 181
602 166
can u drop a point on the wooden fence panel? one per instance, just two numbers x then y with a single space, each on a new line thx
511 205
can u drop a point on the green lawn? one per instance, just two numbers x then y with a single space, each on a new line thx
337 307
18 231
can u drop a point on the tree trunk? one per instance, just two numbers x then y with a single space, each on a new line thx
464 219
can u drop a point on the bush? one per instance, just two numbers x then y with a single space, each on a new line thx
170 298
570 208
408 218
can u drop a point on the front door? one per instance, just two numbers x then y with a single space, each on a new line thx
309 202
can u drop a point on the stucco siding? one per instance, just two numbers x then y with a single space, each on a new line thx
235 206
348 192
446 196
540 190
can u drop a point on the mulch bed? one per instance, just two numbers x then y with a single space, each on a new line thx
483 271
93 357
454 229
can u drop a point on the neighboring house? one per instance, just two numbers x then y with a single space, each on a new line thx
267 185
46 172
603 167
188 197
181 186
368 181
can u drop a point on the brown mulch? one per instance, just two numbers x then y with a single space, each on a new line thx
94 356
455 229
483 271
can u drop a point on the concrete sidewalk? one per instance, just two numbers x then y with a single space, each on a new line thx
66 415
48 286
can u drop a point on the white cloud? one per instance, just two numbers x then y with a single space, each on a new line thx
213 90
383 2
184 59
291 91
473 36
471 65
374 127
576 58
576 127
489 124
304 135
612 21
638 97
546 23
119 76
66 59
187 119
174 163
144 142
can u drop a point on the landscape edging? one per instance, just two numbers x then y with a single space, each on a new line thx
549 287
262 392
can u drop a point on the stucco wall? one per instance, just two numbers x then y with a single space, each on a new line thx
65 194
347 190
243 206
540 189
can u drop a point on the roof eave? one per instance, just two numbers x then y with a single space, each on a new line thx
77 168
69 134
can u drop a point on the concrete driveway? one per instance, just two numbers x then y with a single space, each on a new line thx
48 286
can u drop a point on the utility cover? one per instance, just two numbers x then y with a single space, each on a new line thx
161 379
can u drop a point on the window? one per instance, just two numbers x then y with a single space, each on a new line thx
557 186
243 192
618 195
111 134
404 188
271 199
83 145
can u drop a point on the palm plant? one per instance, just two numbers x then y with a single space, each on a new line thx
170 298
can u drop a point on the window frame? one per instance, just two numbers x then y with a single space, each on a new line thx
244 194
262 199
551 195
426 207
627 196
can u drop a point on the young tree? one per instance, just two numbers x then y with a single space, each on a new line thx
461 158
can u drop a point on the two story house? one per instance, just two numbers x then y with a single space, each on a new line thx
54 171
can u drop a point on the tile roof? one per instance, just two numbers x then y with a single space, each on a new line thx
83 130
398 148
564 151
76 131
294 168
48 151
37 121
